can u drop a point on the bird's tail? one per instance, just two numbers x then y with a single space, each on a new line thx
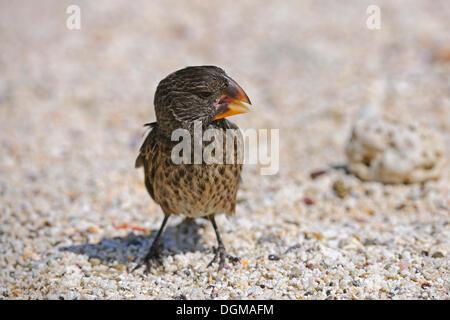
140 158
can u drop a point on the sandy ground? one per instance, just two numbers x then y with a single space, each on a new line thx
72 105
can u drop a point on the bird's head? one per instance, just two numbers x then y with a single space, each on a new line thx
203 93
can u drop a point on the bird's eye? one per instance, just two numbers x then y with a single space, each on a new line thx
203 94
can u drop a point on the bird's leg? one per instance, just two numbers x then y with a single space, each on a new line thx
220 251
154 254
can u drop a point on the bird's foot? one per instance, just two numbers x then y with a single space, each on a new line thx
153 256
221 254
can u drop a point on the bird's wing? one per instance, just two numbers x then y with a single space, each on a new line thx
147 145
147 157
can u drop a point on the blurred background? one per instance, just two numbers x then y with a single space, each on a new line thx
73 102
81 96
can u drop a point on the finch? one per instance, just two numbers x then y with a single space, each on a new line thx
202 96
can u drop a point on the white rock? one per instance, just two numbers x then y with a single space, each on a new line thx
388 151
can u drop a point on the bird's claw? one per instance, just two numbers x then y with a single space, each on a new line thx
233 258
220 252
154 255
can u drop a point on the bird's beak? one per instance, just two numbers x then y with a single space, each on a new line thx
232 101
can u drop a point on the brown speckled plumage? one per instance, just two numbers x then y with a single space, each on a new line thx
192 190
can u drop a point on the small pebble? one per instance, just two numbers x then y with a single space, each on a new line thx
437 254
120 267
425 285
94 229
274 257
94 261
316 174
340 189
295 246
355 283
370 242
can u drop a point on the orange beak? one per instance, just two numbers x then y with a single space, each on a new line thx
232 101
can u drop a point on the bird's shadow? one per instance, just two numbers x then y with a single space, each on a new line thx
180 238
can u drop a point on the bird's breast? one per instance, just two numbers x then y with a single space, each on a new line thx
197 190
